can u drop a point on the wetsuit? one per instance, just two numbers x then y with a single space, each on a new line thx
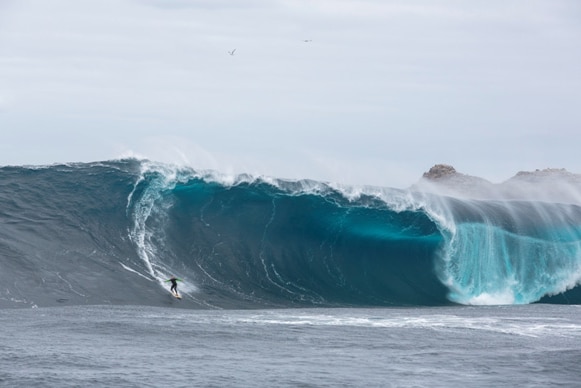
174 285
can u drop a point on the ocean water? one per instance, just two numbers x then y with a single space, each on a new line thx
137 346
284 283
111 233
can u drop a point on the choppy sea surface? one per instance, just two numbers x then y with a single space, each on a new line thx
535 345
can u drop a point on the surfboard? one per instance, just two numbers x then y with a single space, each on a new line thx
178 296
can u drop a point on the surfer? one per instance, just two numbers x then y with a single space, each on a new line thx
174 284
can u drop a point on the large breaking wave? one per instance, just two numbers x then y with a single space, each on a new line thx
112 232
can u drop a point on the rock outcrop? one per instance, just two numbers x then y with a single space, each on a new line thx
550 184
439 171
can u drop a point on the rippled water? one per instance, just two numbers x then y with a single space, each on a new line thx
534 345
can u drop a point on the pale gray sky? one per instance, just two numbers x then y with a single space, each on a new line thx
384 90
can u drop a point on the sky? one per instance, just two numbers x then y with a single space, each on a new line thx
362 92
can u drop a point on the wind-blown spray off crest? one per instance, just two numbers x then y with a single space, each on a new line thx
509 243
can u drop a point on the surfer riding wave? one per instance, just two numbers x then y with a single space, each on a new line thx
174 285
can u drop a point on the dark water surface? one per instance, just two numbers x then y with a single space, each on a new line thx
533 346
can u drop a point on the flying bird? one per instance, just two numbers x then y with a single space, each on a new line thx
231 52
307 40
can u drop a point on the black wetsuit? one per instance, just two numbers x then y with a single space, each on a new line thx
174 285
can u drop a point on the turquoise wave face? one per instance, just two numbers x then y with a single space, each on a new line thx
263 243
512 252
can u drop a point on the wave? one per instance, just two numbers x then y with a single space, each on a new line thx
112 232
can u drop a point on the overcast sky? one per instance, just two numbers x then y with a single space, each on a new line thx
381 91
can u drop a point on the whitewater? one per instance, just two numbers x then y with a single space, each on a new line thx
286 282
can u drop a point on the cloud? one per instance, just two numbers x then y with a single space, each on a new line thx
204 4
395 86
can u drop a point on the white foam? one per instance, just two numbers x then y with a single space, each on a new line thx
505 297
529 327
134 271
